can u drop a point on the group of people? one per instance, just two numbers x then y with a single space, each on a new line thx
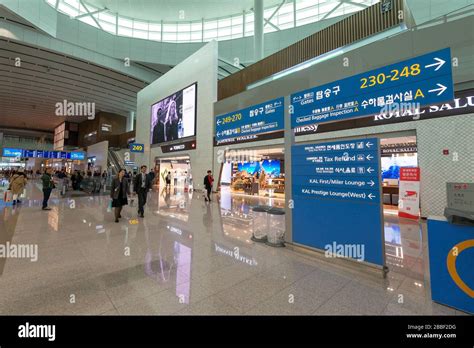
142 183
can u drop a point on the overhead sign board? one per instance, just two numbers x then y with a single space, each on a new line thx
463 103
337 196
135 147
11 152
412 83
251 122
79 156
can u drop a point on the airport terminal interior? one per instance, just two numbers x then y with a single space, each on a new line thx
252 157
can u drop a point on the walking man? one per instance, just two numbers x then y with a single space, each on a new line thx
48 185
142 184
208 180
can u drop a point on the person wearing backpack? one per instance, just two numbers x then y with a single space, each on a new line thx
208 181
17 185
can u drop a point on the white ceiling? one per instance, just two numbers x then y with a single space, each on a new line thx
169 10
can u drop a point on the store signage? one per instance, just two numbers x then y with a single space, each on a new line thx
251 122
409 193
188 145
338 185
388 150
409 84
135 147
10 152
462 104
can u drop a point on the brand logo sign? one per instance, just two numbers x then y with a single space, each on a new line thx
451 264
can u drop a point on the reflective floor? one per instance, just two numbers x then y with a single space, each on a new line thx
189 257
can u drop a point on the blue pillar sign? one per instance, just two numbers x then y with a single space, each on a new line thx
337 197
409 84
250 122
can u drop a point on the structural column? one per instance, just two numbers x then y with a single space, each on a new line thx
258 30
130 121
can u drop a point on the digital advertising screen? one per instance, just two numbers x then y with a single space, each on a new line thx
271 167
9 152
391 165
79 156
174 117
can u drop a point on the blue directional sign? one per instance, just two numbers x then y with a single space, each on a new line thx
10 152
29 153
409 84
337 196
250 122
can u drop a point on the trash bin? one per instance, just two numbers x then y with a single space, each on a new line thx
276 227
260 223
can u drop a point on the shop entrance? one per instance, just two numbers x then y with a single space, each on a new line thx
255 172
397 152
176 169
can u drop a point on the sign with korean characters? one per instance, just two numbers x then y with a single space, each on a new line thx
409 84
251 122
409 201
337 196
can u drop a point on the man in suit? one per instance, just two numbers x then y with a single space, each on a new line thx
142 184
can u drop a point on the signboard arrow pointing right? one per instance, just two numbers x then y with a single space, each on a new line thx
438 65
371 183
441 89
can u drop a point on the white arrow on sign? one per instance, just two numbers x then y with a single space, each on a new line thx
371 196
438 65
219 122
369 157
368 144
441 89
371 183
370 170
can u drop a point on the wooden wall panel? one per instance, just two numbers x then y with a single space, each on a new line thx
360 25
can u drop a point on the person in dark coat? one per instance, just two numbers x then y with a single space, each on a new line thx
208 181
119 192
141 185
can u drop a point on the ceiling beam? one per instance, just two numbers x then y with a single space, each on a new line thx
89 12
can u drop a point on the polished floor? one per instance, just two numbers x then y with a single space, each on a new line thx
188 257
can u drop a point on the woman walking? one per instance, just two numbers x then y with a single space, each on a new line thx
120 190
17 185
